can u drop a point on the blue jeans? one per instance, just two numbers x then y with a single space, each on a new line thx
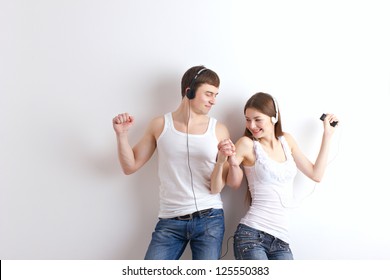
252 244
204 233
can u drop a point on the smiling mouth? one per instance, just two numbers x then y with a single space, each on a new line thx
257 131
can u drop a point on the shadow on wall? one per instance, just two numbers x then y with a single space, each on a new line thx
146 205
164 96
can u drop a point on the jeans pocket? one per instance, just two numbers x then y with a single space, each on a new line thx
245 233
215 224
215 213
283 246
248 244
246 239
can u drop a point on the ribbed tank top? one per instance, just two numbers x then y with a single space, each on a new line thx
176 187
271 186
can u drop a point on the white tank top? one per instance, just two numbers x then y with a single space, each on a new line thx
179 195
271 186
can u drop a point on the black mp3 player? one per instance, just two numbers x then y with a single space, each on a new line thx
332 123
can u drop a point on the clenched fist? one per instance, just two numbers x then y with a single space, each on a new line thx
122 122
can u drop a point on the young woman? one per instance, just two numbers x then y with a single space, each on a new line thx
270 159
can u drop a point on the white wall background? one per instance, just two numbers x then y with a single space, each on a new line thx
67 67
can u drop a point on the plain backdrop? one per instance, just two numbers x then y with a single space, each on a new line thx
68 67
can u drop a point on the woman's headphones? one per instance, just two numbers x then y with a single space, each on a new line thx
191 91
275 119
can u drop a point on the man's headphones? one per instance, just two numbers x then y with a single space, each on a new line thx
191 91
275 119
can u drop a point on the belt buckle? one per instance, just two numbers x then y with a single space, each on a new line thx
185 217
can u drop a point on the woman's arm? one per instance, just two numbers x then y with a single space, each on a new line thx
314 171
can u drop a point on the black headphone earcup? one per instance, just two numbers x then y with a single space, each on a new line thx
190 93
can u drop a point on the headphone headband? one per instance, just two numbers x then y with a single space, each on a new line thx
191 91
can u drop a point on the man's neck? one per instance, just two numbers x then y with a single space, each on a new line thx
184 116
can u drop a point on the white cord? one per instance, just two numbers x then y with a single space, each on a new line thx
188 156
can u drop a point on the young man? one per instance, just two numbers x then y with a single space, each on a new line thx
187 144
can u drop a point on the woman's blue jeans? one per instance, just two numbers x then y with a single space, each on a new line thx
252 244
204 233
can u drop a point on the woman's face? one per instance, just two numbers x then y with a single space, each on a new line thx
258 123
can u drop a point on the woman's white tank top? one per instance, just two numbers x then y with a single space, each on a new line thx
271 186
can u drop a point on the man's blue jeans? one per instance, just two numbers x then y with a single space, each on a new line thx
252 244
204 233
